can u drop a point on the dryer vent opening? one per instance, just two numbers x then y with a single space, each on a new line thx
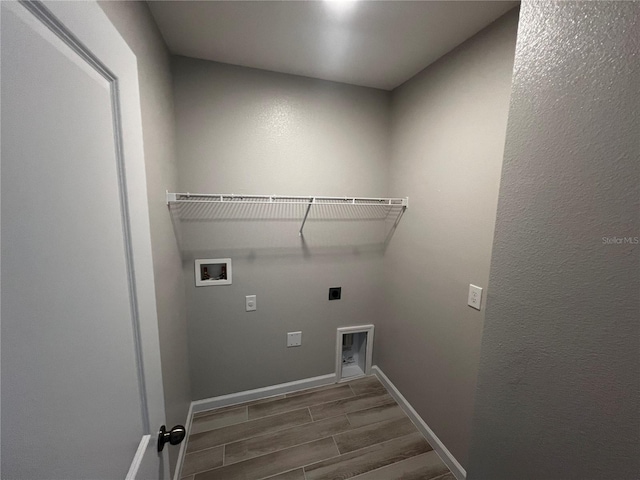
354 351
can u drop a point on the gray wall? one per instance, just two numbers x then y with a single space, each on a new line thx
134 22
448 132
248 131
558 390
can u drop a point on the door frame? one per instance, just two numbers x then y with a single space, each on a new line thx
86 29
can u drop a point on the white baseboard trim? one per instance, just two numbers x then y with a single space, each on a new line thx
265 392
246 396
259 393
137 458
183 445
442 451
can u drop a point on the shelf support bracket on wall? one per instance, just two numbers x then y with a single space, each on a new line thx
311 200
171 197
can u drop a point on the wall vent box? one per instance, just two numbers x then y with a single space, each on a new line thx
213 271
354 352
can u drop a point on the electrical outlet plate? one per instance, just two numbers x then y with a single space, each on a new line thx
294 339
250 303
475 297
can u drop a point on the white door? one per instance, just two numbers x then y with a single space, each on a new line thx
82 391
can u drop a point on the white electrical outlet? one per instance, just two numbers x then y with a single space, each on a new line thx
294 339
251 303
475 297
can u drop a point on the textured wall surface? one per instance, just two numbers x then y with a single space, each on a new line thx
134 22
248 131
559 385
448 131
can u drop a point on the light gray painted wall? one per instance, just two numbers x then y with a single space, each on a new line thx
241 130
559 385
134 22
448 131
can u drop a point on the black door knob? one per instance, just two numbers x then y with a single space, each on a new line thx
173 436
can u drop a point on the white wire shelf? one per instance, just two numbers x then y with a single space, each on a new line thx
308 201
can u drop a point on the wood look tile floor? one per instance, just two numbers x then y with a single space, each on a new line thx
348 430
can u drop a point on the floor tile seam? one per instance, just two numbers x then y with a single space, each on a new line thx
297 392
218 428
307 406
281 431
304 467
359 397
333 437
353 395
352 390
199 451
201 418
276 451
346 414
282 449
298 396
385 441
279 473
404 460
252 420
418 429
234 406
211 411
376 423
391 402
247 438
305 424
443 475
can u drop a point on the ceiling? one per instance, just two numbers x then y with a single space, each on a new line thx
377 44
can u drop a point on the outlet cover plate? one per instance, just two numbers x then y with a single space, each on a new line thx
475 296
250 303
294 339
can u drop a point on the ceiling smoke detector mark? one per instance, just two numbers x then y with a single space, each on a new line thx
335 293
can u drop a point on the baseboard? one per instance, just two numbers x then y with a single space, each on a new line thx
183 445
442 451
259 393
246 396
